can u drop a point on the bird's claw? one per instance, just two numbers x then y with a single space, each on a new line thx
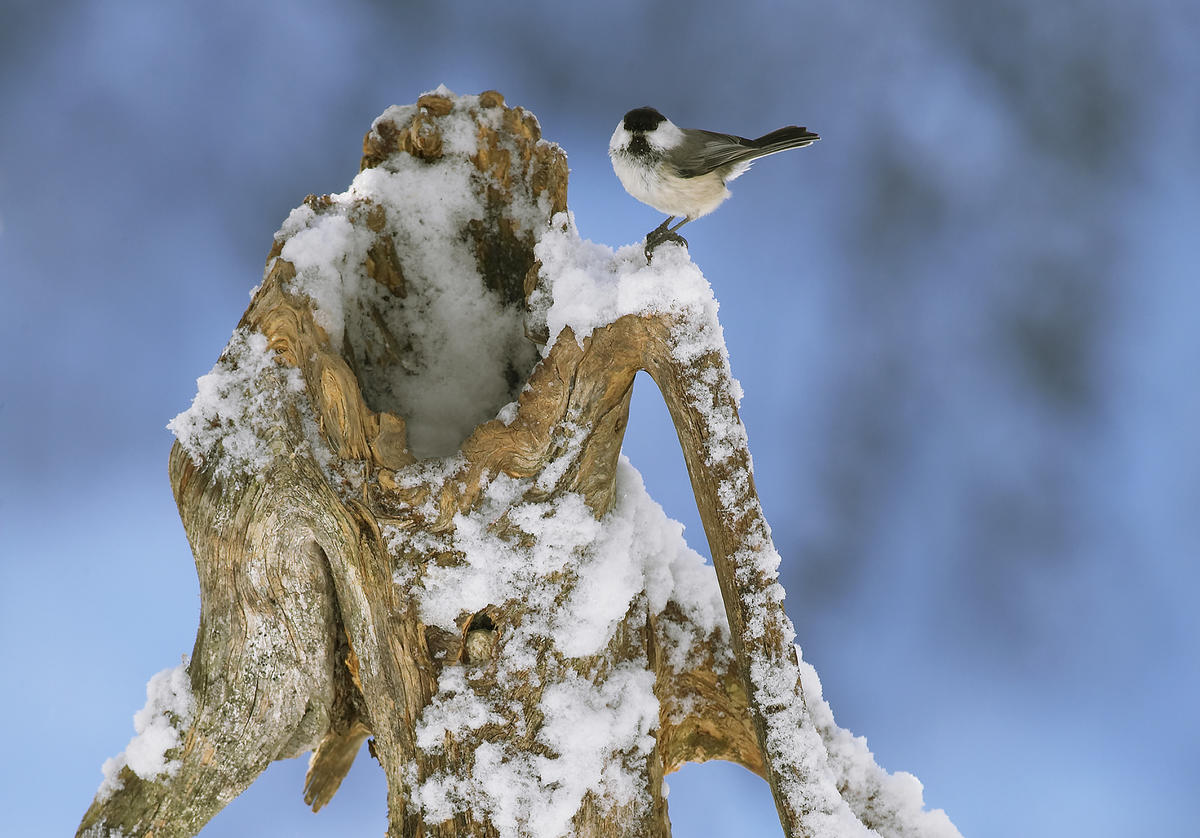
661 235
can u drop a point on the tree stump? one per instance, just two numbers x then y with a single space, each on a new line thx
403 488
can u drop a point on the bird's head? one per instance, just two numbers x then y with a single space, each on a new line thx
643 132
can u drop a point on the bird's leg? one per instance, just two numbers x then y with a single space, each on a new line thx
663 233
658 232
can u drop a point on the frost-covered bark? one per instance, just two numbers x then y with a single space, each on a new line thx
403 486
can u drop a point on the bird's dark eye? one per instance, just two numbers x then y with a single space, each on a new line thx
643 119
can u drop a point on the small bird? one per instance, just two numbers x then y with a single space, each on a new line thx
683 171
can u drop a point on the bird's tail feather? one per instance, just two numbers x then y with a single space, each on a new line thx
784 138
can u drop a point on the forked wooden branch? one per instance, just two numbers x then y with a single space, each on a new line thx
310 637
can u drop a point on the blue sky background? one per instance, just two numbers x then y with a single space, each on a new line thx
965 322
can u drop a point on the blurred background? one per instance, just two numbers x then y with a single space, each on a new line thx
965 323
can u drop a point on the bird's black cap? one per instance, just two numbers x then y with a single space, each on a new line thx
643 119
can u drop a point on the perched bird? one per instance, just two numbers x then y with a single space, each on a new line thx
683 171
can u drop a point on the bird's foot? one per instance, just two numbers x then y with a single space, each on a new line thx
661 235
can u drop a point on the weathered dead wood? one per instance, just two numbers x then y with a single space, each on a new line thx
306 638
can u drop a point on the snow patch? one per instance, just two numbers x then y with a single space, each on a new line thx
446 351
168 711
894 803
454 709
576 578
237 406
587 286
597 737
531 551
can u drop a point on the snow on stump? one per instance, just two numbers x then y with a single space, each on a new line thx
404 489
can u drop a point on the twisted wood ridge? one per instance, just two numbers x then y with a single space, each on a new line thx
309 638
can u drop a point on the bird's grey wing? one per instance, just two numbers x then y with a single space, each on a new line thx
703 151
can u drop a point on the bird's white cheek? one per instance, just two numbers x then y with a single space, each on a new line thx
666 136
620 139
